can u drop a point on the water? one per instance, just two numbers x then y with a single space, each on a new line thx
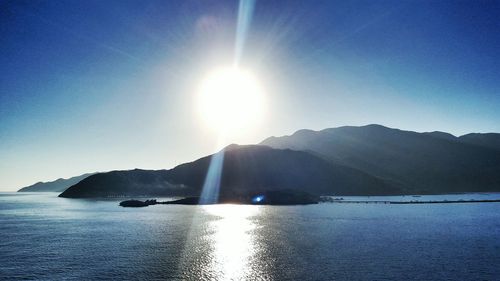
48 238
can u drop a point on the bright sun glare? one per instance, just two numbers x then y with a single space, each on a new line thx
231 99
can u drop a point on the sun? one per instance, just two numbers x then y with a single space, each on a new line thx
230 100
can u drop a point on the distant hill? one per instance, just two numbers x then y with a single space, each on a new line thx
367 160
128 183
258 168
489 140
433 163
58 185
246 170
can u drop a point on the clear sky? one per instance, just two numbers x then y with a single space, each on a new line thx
101 85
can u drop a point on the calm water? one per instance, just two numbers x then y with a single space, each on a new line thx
49 238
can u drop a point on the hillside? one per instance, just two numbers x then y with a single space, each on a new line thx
127 183
421 162
245 170
58 185
368 160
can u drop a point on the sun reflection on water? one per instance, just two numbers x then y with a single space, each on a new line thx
233 240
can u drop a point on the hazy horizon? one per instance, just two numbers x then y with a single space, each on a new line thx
98 86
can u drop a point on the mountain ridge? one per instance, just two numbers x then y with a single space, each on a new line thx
58 185
418 160
348 160
245 169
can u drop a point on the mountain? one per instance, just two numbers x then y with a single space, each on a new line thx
261 168
489 140
245 170
127 183
427 163
367 160
58 185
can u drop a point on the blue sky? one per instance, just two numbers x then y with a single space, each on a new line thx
100 85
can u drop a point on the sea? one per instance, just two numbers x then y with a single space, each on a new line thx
43 237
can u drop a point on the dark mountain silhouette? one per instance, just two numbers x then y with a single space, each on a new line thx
260 168
368 160
442 135
489 140
128 183
246 170
424 163
58 185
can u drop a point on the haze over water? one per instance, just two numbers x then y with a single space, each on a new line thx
50 238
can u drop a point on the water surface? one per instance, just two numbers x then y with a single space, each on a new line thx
48 238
